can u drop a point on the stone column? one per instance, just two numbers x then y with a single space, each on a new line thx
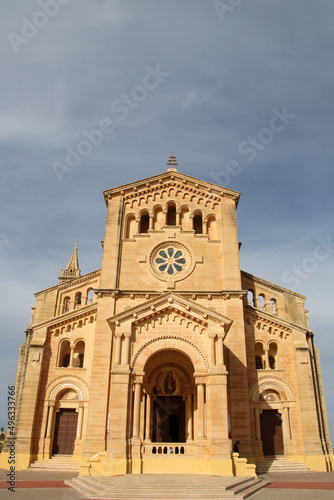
136 409
80 418
212 349
151 221
50 419
138 226
71 355
190 436
126 352
200 408
266 357
205 227
287 424
118 349
148 423
220 350
257 413
178 218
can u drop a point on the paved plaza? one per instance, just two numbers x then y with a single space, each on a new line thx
33 485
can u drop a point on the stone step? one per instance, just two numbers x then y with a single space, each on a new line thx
239 489
280 464
56 463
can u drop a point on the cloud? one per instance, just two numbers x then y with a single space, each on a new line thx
225 79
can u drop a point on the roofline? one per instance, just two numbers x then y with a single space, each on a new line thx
220 190
271 284
69 282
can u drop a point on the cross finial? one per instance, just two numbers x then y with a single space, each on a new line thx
171 163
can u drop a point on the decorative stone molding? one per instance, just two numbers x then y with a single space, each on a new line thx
142 190
271 382
181 341
268 324
65 324
171 261
72 380
172 302
272 286
81 279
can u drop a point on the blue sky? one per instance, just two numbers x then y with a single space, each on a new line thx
201 79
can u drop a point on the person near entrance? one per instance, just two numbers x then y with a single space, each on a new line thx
236 447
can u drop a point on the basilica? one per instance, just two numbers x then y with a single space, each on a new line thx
159 361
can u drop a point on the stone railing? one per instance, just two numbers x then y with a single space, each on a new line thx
159 449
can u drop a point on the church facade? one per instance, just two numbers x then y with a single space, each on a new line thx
169 353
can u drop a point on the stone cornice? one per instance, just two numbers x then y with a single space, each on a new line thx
272 320
74 281
69 317
149 294
269 284
171 301
171 179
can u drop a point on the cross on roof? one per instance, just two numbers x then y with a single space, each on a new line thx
172 162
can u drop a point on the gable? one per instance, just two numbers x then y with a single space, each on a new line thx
171 307
171 181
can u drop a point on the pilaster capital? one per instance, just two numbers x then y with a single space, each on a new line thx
148 388
200 379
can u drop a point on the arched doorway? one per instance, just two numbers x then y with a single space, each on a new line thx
271 433
66 423
170 391
65 432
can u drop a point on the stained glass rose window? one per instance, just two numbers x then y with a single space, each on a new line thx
170 261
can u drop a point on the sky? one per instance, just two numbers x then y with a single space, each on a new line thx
98 93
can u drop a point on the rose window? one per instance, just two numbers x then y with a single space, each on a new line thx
170 261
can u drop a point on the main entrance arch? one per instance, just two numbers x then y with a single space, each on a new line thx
170 391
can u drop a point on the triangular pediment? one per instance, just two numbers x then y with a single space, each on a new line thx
172 303
177 180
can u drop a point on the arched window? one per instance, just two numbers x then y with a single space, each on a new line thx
66 306
261 301
144 222
78 299
273 306
250 298
212 227
90 295
130 227
198 224
158 218
273 355
171 214
260 363
185 219
79 354
64 354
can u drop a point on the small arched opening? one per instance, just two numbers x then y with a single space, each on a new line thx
144 222
198 223
260 363
130 227
64 354
79 354
171 214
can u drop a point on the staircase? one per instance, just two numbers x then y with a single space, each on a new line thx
156 486
280 464
56 463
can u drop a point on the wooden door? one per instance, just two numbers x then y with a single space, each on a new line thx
271 433
168 420
65 432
